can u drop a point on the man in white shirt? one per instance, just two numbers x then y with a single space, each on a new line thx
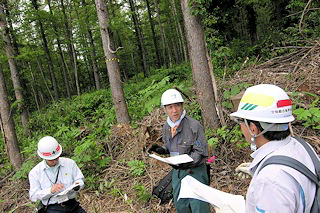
264 114
49 178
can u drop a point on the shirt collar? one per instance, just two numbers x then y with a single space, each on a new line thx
265 150
43 164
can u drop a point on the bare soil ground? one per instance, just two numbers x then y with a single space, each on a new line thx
298 71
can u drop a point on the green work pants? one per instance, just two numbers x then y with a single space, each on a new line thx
189 205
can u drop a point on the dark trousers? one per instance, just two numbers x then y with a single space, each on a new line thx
189 205
70 206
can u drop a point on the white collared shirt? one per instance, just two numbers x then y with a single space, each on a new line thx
278 188
41 179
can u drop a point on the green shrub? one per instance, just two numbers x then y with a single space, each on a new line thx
137 167
142 192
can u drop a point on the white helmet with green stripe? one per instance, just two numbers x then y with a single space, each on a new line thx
265 103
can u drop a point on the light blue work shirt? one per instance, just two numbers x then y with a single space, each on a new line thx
42 178
278 188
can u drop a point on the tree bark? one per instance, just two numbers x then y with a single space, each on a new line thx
47 52
140 39
112 65
33 84
23 110
44 80
7 124
200 67
69 37
75 69
92 51
62 60
154 37
181 37
163 41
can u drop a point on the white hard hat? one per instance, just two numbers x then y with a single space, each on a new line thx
266 103
171 96
49 148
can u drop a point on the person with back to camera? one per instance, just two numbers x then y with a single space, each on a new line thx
53 175
183 135
264 114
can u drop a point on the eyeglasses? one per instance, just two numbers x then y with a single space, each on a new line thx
238 120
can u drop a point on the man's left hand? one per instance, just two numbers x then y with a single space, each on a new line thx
243 171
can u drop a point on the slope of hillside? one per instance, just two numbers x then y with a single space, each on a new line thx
126 184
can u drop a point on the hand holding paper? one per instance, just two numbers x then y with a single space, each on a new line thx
175 160
72 187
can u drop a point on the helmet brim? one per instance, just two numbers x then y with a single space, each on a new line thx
267 120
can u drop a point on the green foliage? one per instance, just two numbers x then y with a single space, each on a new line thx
143 95
91 181
141 192
137 167
235 89
153 92
213 142
311 117
194 110
116 192
106 185
25 169
225 135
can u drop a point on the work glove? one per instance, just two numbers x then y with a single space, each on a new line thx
175 166
156 148
224 209
243 171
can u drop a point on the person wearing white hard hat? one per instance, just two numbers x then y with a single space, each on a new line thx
53 175
264 114
183 135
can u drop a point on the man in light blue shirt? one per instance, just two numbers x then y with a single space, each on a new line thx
49 178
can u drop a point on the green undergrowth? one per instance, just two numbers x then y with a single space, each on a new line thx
82 124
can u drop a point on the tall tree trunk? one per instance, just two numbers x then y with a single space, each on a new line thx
163 61
166 54
200 67
75 69
47 52
69 35
181 37
154 37
44 79
252 23
92 50
33 84
14 72
11 31
62 60
112 65
139 38
7 124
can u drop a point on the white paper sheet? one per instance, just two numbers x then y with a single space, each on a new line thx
192 188
175 160
68 189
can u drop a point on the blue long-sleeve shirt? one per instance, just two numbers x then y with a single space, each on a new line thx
42 178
